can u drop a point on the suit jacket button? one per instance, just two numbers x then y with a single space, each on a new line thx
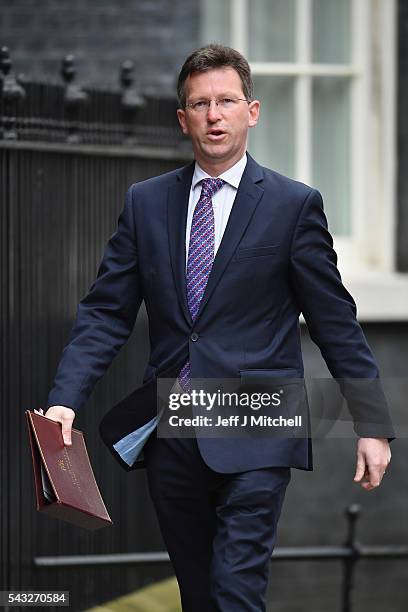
194 337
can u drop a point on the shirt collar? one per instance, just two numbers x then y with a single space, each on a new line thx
232 176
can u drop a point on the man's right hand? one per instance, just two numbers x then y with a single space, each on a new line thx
65 416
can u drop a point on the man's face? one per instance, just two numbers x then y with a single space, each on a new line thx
218 135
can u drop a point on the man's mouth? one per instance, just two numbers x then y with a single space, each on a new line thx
215 134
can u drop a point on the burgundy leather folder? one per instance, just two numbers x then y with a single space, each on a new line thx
64 481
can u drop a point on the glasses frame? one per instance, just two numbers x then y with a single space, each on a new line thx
217 101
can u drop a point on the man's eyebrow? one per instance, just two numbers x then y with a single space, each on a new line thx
222 95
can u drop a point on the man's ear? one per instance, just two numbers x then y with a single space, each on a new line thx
253 108
181 116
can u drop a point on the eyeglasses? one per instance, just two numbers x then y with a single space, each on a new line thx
203 106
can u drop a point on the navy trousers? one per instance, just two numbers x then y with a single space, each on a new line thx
219 529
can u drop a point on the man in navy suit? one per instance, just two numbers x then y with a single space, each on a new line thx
226 254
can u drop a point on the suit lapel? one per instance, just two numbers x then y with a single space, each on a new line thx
177 206
246 200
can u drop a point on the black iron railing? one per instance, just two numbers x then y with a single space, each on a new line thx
349 554
69 112
68 153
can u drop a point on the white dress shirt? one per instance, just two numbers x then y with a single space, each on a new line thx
222 200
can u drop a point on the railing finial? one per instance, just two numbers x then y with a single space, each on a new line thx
11 92
74 95
131 99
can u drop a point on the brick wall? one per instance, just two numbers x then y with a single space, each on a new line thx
156 34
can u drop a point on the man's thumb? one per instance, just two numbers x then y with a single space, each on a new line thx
66 432
360 470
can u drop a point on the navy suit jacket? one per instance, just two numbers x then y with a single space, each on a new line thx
275 261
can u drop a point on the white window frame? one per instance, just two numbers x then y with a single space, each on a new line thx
367 256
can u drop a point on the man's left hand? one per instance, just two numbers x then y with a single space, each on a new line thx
373 457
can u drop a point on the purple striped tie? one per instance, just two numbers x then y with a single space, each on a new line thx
200 256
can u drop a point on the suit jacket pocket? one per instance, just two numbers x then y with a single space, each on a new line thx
257 252
274 376
288 407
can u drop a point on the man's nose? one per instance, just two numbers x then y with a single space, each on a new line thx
213 113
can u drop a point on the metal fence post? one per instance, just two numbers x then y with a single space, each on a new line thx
349 563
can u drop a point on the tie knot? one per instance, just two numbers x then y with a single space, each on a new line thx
210 186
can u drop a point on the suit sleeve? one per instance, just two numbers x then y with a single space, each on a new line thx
105 317
330 314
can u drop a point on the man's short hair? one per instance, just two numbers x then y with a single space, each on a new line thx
215 56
